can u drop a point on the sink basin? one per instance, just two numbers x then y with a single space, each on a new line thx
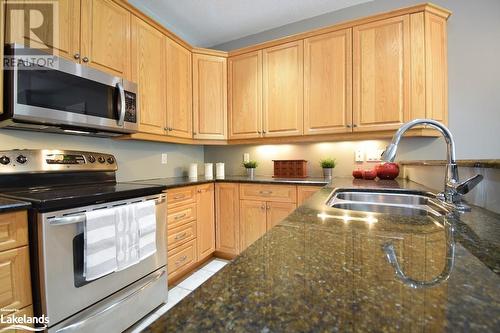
389 202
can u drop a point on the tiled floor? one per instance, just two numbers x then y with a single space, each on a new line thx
177 292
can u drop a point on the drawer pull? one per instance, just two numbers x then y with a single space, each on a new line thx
178 217
181 260
179 196
265 192
181 236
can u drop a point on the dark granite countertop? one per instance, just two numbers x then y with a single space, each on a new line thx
495 164
10 205
186 181
324 270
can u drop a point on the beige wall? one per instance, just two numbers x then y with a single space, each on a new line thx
343 152
136 160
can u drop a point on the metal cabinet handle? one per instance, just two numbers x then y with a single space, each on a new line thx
268 207
264 132
263 207
179 196
178 217
181 260
77 56
85 59
354 125
265 192
259 132
180 236
348 126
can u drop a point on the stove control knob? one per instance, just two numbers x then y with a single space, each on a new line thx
91 159
21 159
101 159
111 160
4 160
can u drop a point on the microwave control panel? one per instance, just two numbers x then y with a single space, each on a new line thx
130 107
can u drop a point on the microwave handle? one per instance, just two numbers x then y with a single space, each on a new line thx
121 118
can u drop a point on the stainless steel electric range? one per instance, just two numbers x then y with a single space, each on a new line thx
62 186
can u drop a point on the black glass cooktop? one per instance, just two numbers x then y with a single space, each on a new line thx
64 197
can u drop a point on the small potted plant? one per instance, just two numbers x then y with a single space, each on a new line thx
327 164
250 166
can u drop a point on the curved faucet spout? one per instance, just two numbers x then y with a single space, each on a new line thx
443 276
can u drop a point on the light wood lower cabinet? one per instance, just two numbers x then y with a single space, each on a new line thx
181 260
305 192
205 201
227 212
252 221
277 212
15 279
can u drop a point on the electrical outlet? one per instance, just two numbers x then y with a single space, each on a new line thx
246 157
164 158
359 156
374 155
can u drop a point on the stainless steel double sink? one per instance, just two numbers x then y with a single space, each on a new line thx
397 202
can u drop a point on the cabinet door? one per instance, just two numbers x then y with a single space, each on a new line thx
305 192
277 211
381 52
179 91
328 83
15 282
245 96
105 41
61 36
148 70
283 89
227 214
252 221
206 220
209 97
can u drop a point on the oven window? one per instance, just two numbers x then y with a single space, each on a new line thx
57 90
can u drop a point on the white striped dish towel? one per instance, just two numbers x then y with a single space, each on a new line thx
127 237
145 213
99 250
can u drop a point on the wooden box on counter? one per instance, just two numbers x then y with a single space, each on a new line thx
290 168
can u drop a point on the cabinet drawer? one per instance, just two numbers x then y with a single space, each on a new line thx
181 196
279 193
181 259
15 283
13 230
181 234
181 215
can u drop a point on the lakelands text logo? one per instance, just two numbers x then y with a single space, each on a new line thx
24 322
32 27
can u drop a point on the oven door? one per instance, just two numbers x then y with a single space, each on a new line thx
73 96
63 290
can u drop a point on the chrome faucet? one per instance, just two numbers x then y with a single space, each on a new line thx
453 189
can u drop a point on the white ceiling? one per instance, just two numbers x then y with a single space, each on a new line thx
211 22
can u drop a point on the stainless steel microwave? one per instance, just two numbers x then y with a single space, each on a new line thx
65 98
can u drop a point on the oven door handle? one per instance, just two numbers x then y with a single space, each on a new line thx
79 218
121 118
152 280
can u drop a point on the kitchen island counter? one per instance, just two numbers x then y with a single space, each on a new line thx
324 269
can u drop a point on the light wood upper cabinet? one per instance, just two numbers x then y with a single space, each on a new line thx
105 42
148 70
205 200
283 89
209 97
245 96
179 90
277 212
381 77
252 221
65 39
227 212
328 83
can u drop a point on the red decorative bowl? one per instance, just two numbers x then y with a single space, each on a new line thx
387 170
370 174
358 174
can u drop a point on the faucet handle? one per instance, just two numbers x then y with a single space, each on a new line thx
466 186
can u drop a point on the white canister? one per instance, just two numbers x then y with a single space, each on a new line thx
193 170
209 170
219 170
